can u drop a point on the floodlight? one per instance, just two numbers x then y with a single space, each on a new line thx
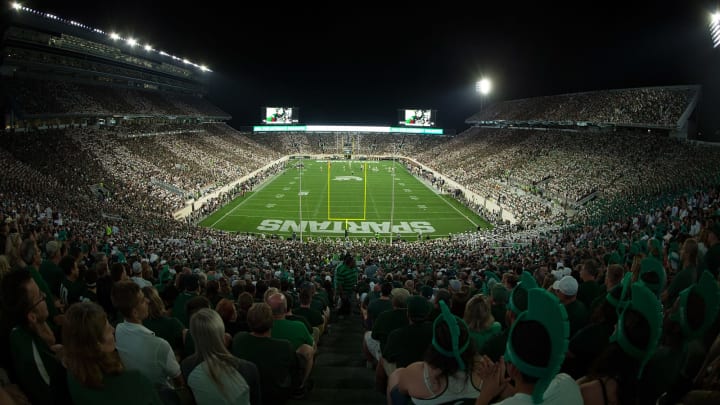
715 28
483 86
132 42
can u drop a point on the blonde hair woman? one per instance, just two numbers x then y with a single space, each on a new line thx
480 321
213 374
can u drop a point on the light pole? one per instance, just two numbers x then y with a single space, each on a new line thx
483 86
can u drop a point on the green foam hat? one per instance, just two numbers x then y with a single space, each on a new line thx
546 309
454 323
648 305
707 289
518 297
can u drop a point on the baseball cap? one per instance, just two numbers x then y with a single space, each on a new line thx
137 267
455 284
52 247
566 285
561 272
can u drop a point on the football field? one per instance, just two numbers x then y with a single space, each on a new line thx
316 198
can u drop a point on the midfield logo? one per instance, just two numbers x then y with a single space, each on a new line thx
346 178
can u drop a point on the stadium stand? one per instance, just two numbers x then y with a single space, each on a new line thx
94 173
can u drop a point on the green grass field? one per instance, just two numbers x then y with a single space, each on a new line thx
322 199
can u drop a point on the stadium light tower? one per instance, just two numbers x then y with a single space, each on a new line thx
483 87
715 28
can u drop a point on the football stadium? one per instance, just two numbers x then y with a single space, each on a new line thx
562 248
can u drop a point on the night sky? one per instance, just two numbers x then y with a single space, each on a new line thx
358 62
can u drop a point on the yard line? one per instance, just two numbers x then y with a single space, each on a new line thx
446 202
262 186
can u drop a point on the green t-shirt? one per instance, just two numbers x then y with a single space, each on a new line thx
318 303
293 331
346 278
276 361
299 318
128 387
313 316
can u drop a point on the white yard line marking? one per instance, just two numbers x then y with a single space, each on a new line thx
254 193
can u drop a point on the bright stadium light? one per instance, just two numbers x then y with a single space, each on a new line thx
114 36
148 48
16 6
131 41
715 28
483 86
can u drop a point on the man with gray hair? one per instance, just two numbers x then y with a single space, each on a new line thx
293 331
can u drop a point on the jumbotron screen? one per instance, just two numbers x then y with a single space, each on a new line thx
280 115
417 118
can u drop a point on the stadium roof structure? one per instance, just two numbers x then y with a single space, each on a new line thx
131 45
665 108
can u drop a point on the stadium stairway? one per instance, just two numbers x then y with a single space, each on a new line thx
340 374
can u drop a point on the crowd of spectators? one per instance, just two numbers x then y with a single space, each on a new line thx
34 96
650 106
224 308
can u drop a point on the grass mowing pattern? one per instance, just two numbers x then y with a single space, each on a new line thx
361 200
